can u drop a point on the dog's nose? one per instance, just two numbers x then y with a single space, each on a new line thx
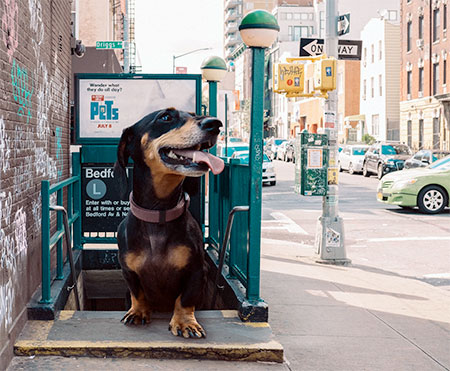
211 125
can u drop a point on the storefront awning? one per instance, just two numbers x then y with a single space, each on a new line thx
355 118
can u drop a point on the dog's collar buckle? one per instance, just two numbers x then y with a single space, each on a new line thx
159 216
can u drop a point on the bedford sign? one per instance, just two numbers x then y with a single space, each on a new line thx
347 49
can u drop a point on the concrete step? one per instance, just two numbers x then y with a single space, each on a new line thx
101 334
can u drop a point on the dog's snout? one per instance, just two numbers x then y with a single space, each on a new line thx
211 125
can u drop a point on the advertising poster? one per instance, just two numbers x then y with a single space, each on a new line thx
107 106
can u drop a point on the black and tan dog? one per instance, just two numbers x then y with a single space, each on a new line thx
160 243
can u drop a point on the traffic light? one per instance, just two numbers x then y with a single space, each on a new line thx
288 77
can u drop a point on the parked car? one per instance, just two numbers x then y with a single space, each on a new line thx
424 157
227 151
271 147
351 158
290 151
385 157
428 188
281 151
268 176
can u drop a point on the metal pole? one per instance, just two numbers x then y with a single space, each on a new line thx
126 40
45 242
330 244
226 123
213 204
255 167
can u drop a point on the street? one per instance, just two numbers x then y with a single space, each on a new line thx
381 238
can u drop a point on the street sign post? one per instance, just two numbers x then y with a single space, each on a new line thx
109 45
343 24
347 49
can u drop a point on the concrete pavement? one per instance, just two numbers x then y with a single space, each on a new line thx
327 318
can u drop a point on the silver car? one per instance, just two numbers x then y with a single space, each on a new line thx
351 158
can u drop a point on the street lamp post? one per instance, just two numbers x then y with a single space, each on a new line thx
182 55
258 30
213 70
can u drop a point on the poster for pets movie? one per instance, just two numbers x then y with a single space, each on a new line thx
107 106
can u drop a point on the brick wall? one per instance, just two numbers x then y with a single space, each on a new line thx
34 143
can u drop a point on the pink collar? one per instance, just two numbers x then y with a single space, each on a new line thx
159 216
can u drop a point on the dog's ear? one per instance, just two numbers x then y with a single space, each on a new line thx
123 153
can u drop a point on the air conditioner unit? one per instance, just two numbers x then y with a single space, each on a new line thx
419 43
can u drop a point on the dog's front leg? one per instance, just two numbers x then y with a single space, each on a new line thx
140 311
183 322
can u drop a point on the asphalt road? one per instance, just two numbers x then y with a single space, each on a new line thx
377 236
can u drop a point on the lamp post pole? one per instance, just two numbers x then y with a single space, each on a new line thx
255 167
330 241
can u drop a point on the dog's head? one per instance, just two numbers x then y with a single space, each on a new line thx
170 143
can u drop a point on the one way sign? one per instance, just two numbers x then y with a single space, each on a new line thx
347 49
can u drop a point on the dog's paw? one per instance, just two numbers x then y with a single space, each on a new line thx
186 327
136 317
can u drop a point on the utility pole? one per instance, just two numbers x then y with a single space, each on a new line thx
330 241
126 41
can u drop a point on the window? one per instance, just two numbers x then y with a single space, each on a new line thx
365 56
364 89
304 16
421 80
436 133
435 78
380 82
420 134
408 83
372 88
444 73
420 35
380 50
408 36
436 24
444 17
297 32
297 16
375 125
373 53
392 15
289 16
311 16
409 132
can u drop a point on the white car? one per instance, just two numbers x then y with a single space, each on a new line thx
351 158
268 176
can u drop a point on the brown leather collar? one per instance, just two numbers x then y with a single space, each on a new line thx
159 216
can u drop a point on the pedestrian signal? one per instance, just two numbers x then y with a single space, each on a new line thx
288 77
325 74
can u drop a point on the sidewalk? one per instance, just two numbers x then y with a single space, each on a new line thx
327 318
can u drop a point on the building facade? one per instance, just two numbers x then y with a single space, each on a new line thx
35 54
380 80
424 106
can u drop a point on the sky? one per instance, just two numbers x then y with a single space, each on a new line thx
167 28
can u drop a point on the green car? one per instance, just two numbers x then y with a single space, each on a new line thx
428 187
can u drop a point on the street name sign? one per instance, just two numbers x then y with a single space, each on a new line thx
343 24
347 49
109 45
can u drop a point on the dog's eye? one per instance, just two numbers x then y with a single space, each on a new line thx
166 117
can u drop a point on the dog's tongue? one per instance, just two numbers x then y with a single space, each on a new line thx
216 164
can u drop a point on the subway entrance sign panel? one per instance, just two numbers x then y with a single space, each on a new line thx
101 205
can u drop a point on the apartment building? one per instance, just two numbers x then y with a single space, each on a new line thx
425 101
380 80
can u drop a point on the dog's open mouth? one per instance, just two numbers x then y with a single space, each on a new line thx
192 158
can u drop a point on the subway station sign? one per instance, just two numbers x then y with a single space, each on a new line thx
100 198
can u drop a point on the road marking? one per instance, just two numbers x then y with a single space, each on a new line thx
437 275
270 241
276 193
398 239
286 223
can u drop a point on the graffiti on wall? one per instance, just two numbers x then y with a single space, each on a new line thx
22 84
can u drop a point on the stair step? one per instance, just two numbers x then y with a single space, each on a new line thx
101 334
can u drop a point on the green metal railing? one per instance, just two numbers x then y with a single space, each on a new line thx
48 240
230 190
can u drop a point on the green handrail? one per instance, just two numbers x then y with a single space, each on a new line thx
73 185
